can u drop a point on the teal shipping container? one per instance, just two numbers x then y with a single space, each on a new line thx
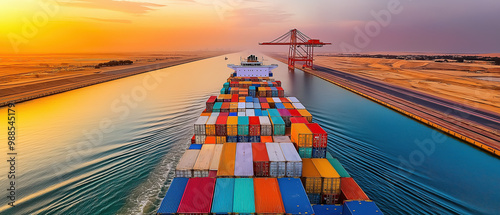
337 166
244 199
273 112
305 152
243 122
223 196
278 125
217 107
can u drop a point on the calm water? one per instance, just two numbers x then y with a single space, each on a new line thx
110 148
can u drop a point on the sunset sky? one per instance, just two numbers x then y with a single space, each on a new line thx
73 26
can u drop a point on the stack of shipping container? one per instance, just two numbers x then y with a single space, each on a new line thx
255 151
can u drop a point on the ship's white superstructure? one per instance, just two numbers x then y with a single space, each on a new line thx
252 67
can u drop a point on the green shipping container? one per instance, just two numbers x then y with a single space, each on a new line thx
243 122
244 199
217 107
337 166
305 152
223 90
278 126
226 85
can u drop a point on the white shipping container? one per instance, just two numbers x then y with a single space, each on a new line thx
243 162
266 128
199 125
202 164
293 99
214 164
298 106
293 160
241 106
241 113
277 162
249 105
281 139
199 139
250 112
185 166
276 100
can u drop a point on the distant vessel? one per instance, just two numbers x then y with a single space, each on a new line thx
252 67
225 58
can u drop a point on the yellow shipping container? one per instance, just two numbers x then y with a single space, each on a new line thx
232 126
331 179
227 96
310 176
233 107
226 163
306 114
220 139
301 135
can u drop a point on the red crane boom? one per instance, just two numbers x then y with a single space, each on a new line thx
301 47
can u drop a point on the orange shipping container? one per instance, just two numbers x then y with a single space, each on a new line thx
226 163
266 139
331 179
301 135
310 176
210 140
288 106
267 196
306 114
232 126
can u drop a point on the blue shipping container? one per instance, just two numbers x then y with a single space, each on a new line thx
314 198
172 199
294 196
279 105
232 139
360 207
254 139
327 209
223 196
195 146
249 99
242 139
233 114
319 152
258 112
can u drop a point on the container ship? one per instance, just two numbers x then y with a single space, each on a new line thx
257 151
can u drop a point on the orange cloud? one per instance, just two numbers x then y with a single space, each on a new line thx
109 20
120 6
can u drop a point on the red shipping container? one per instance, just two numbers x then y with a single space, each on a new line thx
234 98
298 120
221 126
212 173
224 114
294 112
279 83
197 197
351 190
260 160
193 139
320 137
284 100
210 103
281 92
264 106
254 126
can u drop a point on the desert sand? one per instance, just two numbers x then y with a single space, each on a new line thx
476 85
26 77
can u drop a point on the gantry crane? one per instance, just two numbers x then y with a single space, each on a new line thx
301 47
